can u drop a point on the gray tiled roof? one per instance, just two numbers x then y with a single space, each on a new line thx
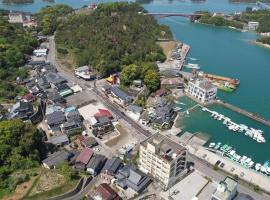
135 109
112 165
59 139
57 158
55 118
119 93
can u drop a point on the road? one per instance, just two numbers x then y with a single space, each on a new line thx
85 85
208 170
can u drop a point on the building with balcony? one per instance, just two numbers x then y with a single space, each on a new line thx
202 90
163 159
226 190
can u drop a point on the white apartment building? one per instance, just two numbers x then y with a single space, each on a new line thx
226 190
252 26
203 90
163 159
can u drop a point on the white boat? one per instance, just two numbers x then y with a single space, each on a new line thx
187 112
212 144
192 66
258 166
250 164
218 145
263 169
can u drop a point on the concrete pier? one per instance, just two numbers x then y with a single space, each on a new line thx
245 113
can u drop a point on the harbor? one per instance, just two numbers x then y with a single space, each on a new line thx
194 118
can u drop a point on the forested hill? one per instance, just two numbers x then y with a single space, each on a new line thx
115 34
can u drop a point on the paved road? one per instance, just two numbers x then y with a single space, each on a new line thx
207 169
85 85
83 192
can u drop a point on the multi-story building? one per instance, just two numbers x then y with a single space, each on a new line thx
202 90
163 159
226 190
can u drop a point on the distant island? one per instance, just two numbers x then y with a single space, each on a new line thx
18 1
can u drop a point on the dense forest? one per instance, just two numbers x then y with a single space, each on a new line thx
48 17
113 37
15 43
21 148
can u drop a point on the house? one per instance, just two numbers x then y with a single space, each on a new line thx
226 190
161 92
252 26
22 110
55 97
120 96
43 83
56 118
63 89
55 79
53 108
74 116
202 90
100 125
88 142
95 164
134 112
83 159
18 17
59 140
103 113
105 192
71 127
172 83
162 113
110 168
168 159
56 159
130 177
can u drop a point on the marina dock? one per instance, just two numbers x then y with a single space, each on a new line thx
245 113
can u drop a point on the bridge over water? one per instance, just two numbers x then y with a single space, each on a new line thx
192 17
262 5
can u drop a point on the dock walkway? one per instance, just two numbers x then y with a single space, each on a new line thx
245 113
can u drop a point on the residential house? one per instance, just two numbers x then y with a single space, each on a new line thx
63 89
55 79
110 168
103 113
56 159
100 125
40 52
59 140
162 113
22 110
163 159
88 142
130 177
55 97
95 164
226 190
134 112
252 26
55 119
120 97
83 159
18 17
138 83
43 83
105 192
71 127
74 116
172 83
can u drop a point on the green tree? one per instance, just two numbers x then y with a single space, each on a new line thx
152 80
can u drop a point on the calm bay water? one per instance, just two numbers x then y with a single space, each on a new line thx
219 51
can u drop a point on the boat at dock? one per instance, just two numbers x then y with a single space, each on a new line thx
192 66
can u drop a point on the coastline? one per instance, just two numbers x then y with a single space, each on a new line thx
261 44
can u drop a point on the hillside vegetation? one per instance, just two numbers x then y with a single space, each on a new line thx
115 35
15 43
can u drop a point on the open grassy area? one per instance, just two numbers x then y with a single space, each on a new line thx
167 46
50 183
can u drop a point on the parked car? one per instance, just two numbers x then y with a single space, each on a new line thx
222 165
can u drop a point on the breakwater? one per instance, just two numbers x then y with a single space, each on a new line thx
245 113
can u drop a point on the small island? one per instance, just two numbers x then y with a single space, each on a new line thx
18 1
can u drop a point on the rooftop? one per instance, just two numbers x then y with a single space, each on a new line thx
203 84
119 93
59 139
56 158
164 146
106 192
85 156
225 188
